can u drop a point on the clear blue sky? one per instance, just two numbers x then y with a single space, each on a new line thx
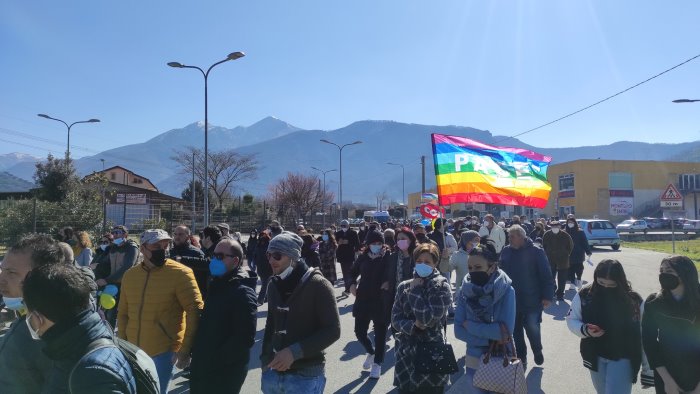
503 66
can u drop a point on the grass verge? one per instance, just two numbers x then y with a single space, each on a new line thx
689 248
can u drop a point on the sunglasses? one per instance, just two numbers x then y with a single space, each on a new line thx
221 256
275 256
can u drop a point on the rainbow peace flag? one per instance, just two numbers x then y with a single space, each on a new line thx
470 171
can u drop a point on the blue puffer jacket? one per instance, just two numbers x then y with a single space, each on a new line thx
105 370
529 270
500 296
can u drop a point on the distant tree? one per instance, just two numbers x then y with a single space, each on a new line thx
225 169
300 195
55 179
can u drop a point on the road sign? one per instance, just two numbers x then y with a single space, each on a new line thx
671 198
671 194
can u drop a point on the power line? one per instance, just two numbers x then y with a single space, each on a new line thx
601 101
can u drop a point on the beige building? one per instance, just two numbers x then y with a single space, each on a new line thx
620 189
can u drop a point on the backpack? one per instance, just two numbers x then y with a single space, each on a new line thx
142 366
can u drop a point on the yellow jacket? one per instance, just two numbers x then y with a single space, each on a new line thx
159 308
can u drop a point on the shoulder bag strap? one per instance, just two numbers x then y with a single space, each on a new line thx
94 345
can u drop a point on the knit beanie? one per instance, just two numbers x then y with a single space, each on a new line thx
466 237
287 243
374 236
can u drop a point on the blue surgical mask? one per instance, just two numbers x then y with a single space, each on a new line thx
375 249
217 267
118 241
325 237
14 304
423 270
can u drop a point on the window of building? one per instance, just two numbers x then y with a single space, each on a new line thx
112 175
689 181
566 182
620 181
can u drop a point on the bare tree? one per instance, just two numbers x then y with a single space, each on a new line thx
225 168
300 195
381 197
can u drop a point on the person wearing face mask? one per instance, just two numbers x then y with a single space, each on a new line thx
671 328
558 246
362 234
59 315
419 315
211 236
326 252
123 254
226 329
370 267
473 224
100 263
578 254
301 323
538 232
606 315
250 249
458 261
25 367
160 304
401 265
275 228
421 235
348 245
494 232
309 251
485 300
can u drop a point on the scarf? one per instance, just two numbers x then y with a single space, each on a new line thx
481 299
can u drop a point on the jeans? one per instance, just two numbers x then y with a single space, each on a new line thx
273 382
530 322
613 377
164 367
561 277
575 272
361 329
470 383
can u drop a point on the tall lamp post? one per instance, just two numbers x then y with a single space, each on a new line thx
323 196
403 186
68 126
340 160
205 74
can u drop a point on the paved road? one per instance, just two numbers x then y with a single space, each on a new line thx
562 371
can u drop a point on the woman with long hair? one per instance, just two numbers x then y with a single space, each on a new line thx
485 300
671 328
420 315
326 250
82 248
370 267
578 253
606 315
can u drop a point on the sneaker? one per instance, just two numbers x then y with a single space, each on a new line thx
368 362
539 358
376 371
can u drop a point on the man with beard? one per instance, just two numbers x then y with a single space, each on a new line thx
348 245
160 306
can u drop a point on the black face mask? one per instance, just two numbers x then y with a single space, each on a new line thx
479 278
669 281
158 257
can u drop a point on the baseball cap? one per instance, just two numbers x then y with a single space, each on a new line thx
154 235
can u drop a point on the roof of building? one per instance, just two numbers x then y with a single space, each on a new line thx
12 184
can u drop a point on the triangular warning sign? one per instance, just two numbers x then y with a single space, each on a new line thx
671 194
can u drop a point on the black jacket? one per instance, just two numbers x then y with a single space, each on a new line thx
101 258
581 246
226 332
346 252
621 323
369 294
262 265
250 249
671 337
105 370
200 268
186 250
23 366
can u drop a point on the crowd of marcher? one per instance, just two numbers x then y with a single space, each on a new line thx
192 301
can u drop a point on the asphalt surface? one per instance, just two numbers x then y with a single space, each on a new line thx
562 371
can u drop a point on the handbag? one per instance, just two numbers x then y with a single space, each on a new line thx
435 357
500 370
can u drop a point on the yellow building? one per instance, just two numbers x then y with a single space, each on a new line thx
620 189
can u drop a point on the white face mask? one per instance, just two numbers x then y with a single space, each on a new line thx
32 331
571 225
287 271
103 247
555 230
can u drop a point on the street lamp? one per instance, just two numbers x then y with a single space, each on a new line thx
340 150
69 127
323 196
684 101
231 56
403 186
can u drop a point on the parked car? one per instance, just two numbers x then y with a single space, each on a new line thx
600 233
678 223
632 226
691 225
656 223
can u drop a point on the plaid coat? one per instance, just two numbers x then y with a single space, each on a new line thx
428 304
326 251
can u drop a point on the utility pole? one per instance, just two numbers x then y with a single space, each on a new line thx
422 165
193 189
